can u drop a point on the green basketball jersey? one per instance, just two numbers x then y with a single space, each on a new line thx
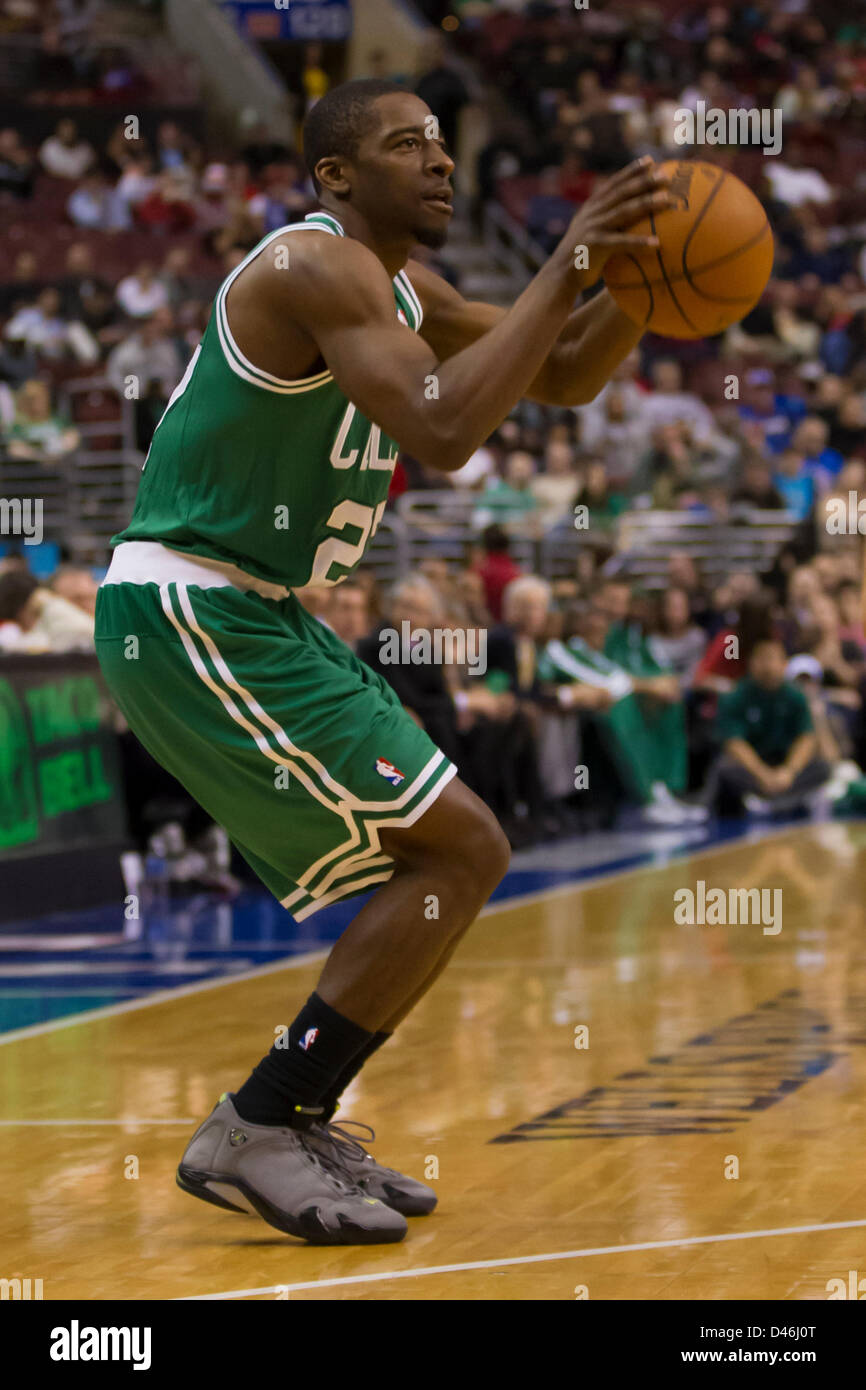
284 479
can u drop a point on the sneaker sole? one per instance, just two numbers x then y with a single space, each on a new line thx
307 1225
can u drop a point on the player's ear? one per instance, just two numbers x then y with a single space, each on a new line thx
331 174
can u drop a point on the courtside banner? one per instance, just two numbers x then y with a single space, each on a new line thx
61 792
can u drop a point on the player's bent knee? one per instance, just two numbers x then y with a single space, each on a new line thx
481 849
459 837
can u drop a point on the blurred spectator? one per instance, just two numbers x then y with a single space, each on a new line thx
169 207
602 503
676 642
756 488
769 750
348 612
555 488
95 205
283 198
496 569
586 679
820 462
65 155
149 364
508 500
793 183
795 483
36 431
141 294
18 361
17 166
137 182
669 404
78 586
33 619
174 148
42 327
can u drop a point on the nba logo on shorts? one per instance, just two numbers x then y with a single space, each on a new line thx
391 773
308 1039
402 317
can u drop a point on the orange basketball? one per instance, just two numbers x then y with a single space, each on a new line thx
714 260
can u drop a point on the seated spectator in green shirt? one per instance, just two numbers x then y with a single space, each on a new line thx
509 501
35 432
597 506
769 756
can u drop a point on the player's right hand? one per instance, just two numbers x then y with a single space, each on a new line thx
601 226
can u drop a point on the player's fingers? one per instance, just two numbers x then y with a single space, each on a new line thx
645 164
624 214
641 184
624 242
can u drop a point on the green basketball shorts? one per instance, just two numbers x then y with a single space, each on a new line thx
267 718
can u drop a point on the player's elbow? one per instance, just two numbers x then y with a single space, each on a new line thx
445 448
581 392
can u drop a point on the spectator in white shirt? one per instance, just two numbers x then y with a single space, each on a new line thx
556 488
476 470
33 619
64 155
141 294
793 183
669 404
137 181
44 330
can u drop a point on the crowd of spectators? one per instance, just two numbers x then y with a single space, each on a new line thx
603 694
176 220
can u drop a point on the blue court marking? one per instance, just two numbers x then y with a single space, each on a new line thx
203 939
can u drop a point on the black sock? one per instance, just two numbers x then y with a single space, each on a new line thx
331 1097
287 1085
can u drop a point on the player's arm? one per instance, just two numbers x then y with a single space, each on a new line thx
441 410
597 336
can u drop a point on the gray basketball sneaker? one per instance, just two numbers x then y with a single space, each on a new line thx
284 1177
402 1194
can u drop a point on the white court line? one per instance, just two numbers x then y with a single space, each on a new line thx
559 890
132 1120
520 1260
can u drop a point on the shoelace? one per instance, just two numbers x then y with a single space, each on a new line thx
340 1146
326 1156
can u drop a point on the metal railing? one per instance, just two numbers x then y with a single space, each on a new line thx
509 244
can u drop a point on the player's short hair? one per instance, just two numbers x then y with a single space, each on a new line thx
341 118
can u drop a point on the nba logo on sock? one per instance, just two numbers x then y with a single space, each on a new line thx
391 773
308 1039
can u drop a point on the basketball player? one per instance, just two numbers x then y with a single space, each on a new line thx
327 349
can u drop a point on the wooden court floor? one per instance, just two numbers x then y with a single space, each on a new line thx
618 1106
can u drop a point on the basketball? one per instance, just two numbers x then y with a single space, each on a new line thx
715 257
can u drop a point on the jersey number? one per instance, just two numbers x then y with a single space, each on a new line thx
347 553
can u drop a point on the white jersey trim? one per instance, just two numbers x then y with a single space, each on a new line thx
241 364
